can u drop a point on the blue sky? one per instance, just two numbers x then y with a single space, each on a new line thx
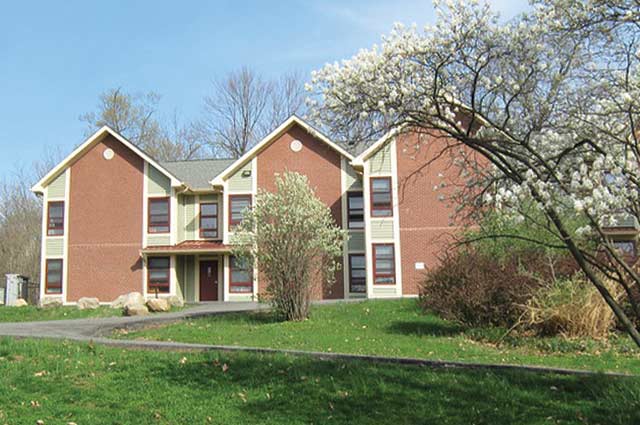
57 57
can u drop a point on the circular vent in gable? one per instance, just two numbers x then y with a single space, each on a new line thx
296 145
108 154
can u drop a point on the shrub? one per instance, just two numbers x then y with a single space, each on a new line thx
477 288
571 308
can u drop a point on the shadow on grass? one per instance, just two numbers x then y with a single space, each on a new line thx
250 318
422 328
288 390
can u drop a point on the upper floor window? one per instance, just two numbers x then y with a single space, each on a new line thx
381 197
241 276
159 221
626 248
55 219
355 208
384 270
237 205
53 277
158 274
208 220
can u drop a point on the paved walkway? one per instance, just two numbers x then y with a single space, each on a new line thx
92 328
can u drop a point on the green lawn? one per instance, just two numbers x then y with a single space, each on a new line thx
396 328
32 313
69 382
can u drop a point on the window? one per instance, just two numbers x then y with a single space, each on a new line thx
158 275
241 279
237 205
626 248
53 279
208 221
355 210
383 265
55 219
159 215
357 274
381 197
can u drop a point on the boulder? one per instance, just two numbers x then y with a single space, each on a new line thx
86 303
136 310
132 298
158 305
175 301
20 303
50 302
119 302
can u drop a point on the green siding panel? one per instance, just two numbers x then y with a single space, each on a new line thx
180 287
356 242
190 279
54 247
381 229
380 162
155 240
181 223
208 198
238 183
56 188
158 184
190 221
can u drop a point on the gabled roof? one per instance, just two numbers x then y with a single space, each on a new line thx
88 144
197 173
270 138
377 145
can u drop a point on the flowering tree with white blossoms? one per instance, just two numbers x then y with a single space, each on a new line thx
293 239
550 100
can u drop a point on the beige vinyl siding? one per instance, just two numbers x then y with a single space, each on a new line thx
356 242
353 181
54 247
384 292
241 297
56 188
209 198
380 162
238 183
381 229
155 240
159 184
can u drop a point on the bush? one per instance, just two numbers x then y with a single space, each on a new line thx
572 308
477 288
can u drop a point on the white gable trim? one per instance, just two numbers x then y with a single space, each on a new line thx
377 145
218 180
95 138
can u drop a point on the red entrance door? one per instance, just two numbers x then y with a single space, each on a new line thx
208 281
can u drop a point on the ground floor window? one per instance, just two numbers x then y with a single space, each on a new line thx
384 272
53 280
357 274
158 275
241 276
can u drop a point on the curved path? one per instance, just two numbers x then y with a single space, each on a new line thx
97 330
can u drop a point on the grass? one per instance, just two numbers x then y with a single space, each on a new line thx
32 313
71 382
399 329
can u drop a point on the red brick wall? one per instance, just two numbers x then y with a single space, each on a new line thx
105 223
320 164
425 220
